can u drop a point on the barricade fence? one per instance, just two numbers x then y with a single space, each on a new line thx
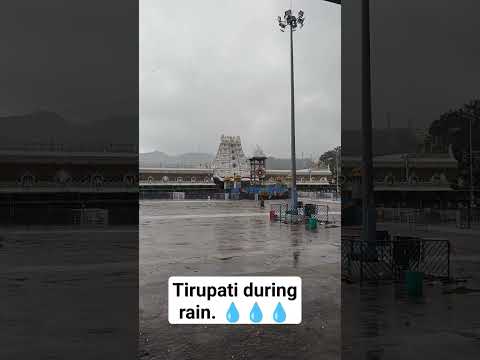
182 195
319 195
389 260
427 216
89 216
284 213
463 216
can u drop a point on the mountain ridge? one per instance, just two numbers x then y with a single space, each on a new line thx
196 160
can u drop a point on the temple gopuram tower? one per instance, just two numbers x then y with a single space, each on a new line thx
230 162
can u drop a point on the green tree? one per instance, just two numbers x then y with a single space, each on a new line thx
330 158
453 129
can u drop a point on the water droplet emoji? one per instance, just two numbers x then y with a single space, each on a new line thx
279 314
232 313
256 314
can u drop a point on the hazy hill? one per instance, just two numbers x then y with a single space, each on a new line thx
47 129
161 159
285 164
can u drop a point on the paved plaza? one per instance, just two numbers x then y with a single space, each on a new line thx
69 292
236 238
380 320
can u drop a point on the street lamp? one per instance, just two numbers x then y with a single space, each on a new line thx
368 197
470 117
293 22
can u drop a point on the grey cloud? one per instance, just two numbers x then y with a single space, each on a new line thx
213 67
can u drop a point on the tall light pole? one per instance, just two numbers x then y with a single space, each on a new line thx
292 22
470 116
471 202
368 197
338 171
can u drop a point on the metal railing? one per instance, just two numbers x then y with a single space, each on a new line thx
423 217
390 259
61 148
463 217
90 216
319 195
283 213
178 195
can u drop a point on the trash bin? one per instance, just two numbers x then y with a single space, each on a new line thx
312 223
414 283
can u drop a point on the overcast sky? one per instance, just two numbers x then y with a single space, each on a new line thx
216 67
79 61
425 57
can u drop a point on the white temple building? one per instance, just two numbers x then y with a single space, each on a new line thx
230 160
229 164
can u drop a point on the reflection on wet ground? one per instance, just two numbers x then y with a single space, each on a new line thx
236 238
383 322
380 320
69 292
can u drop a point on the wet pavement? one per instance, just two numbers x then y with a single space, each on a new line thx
236 238
383 322
69 292
380 320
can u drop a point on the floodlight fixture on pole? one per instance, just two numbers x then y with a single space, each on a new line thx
292 21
